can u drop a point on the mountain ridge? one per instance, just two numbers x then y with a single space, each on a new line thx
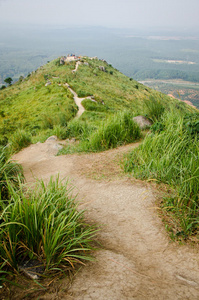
42 100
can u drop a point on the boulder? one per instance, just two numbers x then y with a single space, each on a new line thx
142 121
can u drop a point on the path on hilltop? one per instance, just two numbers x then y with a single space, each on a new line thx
136 259
78 101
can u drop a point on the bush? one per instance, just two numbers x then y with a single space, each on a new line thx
44 223
191 124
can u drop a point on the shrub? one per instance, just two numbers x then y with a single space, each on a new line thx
191 124
157 127
44 223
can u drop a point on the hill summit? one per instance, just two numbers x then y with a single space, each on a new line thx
43 103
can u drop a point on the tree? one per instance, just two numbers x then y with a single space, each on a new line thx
8 80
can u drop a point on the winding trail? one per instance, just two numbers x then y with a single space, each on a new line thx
76 66
136 259
78 101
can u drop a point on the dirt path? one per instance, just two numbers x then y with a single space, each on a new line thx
78 101
76 66
136 259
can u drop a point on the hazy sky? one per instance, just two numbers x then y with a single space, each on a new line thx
107 13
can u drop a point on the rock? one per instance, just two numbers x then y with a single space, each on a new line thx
48 83
32 269
87 64
142 121
62 60
52 138
102 68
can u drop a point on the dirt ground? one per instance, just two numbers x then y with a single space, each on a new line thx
136 259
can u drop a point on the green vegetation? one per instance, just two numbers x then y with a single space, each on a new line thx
117 130
41 105
31 106
9 171
43 224
20 139
8 80
170 155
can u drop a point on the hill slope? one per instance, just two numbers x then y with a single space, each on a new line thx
43 101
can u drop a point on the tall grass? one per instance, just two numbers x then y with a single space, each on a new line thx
78 129
172 157
20 139
44 223
154 108
9 171
117 130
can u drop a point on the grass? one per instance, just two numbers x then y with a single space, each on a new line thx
118 129
171 157
9 171
31 106
20 139
44 224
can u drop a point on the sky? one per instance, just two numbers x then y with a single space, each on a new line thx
107 13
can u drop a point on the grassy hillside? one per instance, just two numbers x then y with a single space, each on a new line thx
31 111
42 105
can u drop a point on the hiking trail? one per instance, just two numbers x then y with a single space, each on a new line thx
136 259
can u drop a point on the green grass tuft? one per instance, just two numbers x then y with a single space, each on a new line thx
171 157
44 223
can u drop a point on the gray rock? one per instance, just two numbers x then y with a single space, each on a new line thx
102 68
32 269
142 121
52 138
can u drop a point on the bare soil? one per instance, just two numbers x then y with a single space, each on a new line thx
136 259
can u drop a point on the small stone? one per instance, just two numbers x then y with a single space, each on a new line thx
32 269
52 138
48 83
102 68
